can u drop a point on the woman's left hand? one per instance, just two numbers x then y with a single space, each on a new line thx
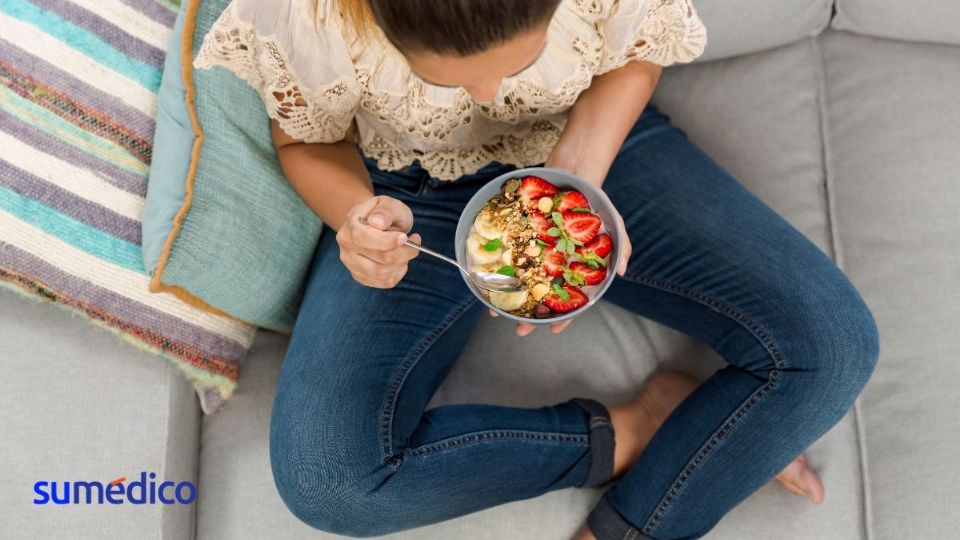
562 158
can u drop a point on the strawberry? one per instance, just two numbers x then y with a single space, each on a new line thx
581 226
600 246
571 200
591 276
575 298
533 188
554 262
541 224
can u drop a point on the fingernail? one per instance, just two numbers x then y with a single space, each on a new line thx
402 238
378 220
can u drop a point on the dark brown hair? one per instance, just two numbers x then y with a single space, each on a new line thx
455 27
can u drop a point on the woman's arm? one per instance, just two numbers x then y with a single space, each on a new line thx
597 125
330 178
333 181
600 119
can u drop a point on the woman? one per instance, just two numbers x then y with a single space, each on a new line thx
397 111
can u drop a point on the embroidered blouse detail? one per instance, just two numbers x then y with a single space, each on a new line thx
321 84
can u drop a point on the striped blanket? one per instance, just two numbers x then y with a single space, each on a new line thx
78 83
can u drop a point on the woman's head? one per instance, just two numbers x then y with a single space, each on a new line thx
468 43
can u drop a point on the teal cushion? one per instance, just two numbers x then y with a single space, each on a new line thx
245 237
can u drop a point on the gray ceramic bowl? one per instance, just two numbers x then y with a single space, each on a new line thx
562 179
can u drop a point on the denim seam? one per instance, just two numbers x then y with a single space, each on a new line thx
476 437
718 436
698 459
390 400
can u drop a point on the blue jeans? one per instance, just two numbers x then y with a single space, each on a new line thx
354 452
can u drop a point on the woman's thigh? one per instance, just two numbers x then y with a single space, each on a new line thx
712 260
353 347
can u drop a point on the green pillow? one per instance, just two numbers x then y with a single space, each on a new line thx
223 229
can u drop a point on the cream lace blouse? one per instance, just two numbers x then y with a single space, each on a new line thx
323 85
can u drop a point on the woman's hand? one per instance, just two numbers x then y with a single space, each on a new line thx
375 253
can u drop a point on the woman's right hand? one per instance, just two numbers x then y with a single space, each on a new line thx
375 253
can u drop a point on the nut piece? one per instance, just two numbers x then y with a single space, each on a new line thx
524 260
539 291
545 204
533 249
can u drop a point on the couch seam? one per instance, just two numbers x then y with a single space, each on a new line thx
833 238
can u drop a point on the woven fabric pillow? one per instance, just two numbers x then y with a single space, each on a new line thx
78 84
223 229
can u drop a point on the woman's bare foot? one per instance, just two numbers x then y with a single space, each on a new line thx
635 422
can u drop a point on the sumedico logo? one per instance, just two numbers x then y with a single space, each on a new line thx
145 490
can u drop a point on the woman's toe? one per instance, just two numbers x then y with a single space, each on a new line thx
800 478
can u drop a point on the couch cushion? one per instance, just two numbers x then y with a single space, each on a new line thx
78 406
758 116
894 123
916 20
744 26
219 201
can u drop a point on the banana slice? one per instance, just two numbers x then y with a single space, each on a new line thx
507 257
485 227
508 301
479 255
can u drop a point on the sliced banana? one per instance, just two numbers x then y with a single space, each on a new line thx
479 255
508 301
484 225
507 257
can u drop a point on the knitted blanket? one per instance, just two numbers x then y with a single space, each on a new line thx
78 83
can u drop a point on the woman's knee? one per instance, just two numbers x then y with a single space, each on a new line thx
840 349
331 494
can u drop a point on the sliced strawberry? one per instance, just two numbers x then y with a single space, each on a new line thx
581 226
533 188
577 299
591 276
554 262
600 246
571 200
541 224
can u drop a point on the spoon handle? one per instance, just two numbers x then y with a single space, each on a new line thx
429 251
426 250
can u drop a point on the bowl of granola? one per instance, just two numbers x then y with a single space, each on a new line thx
553 230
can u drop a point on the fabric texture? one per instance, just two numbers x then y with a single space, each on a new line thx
78 84
316 78
222 224
936 21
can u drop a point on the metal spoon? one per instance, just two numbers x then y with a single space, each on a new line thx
489 281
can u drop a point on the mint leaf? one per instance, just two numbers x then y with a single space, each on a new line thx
557 218
492 245
560 245
541 243
564 295
553 231
507 270
571 249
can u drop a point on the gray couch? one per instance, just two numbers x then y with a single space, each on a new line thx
853 138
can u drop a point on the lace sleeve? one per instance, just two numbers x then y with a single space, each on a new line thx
660 31
250 39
